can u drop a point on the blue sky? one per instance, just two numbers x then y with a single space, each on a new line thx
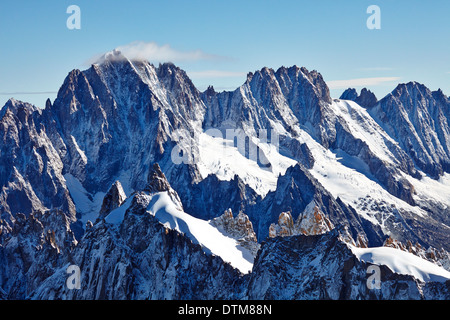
218 42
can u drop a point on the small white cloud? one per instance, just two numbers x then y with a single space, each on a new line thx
360 82
153 52
376 69
215 74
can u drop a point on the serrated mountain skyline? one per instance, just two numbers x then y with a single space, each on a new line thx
378 171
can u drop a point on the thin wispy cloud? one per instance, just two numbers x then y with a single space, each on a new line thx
153 52
215 74
376 69
27 92
360 82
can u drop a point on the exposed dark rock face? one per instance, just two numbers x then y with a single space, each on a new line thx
142 259
31 172
366 98
113 199
33 248
418 119
323 267
145 260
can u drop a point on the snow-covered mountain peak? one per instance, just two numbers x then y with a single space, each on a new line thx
415 92
289 80
419 120
15 106
111 56
410 85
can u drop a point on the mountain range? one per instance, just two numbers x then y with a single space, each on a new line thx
275 190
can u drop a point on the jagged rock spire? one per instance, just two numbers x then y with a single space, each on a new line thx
156 180
113 199
239 227
311 222
366 98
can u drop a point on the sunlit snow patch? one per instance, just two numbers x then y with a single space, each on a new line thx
199 231
402 262
220 157
87 205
